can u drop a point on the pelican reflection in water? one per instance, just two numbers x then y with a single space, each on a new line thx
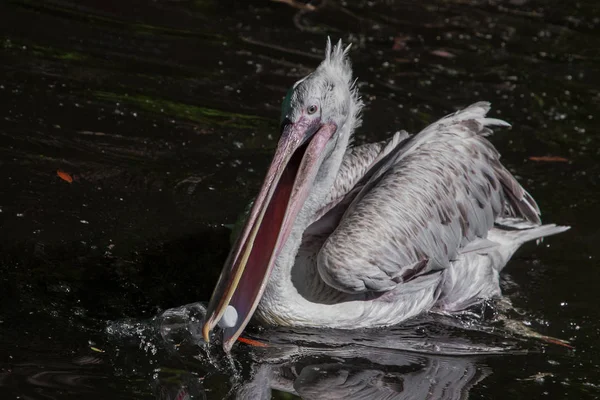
349 237
348 372
380 375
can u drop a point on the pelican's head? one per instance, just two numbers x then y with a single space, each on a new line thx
317 111
326 96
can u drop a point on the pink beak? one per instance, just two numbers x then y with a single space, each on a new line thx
282 195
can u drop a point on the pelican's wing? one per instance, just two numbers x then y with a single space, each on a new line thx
358 164
422 204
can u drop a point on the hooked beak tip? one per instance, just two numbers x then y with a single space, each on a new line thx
206 333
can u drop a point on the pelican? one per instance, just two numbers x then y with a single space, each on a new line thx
348 237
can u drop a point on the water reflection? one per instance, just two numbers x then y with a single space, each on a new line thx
392 376
432 357
45 379
367 374
310 374
178 385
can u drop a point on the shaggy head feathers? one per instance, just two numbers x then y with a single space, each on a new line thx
330 87
337 61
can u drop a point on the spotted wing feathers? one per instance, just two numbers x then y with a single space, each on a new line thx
422 204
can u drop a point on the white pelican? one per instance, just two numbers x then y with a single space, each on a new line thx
352 237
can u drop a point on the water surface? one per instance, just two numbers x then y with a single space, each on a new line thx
133 133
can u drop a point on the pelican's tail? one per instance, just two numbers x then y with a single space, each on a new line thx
524 231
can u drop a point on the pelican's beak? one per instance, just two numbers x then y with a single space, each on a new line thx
299 154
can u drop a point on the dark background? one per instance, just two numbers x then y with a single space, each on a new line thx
163 115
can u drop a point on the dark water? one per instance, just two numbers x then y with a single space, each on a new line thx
164 115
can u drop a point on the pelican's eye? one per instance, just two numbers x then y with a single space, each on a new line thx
312 109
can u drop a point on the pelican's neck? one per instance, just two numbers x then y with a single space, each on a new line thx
320 189
281 297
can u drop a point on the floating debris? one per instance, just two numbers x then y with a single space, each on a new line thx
549 159
97 350
252 342
65 176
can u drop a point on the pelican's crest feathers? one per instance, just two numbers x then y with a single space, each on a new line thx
338 67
